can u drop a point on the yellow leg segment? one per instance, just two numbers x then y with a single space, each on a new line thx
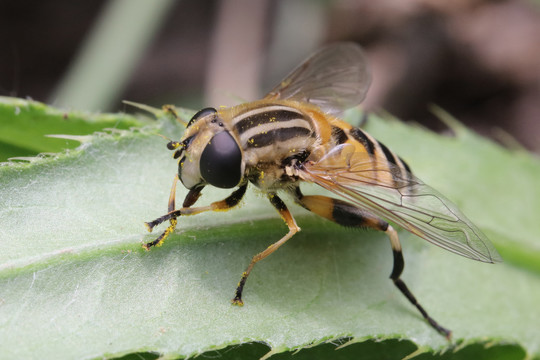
225 204
293 229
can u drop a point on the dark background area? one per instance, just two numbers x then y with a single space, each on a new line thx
478 60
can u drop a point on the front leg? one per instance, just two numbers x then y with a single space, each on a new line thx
190 199
293 229
225 204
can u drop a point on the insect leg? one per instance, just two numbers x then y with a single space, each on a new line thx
293 229
349 215
339 211
225 204
399 263
172 226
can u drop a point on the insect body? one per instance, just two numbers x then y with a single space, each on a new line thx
293 135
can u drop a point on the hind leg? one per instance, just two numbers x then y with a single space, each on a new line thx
346 214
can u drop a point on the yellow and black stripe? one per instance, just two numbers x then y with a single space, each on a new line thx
376 150
375 147
273 130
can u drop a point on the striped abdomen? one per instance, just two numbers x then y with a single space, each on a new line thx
271 132
378 154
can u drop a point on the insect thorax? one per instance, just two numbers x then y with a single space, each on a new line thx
272 132
271 135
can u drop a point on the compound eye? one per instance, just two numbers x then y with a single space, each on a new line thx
200 114
221 161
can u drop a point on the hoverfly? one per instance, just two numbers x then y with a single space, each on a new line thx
293 135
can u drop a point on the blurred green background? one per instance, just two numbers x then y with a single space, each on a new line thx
477 59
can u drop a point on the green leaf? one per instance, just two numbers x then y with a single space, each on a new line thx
24 126
75 282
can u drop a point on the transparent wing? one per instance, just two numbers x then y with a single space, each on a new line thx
335 78
398 196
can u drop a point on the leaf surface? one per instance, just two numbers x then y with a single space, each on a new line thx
75 282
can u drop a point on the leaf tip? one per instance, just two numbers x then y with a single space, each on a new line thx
80 138
152 110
